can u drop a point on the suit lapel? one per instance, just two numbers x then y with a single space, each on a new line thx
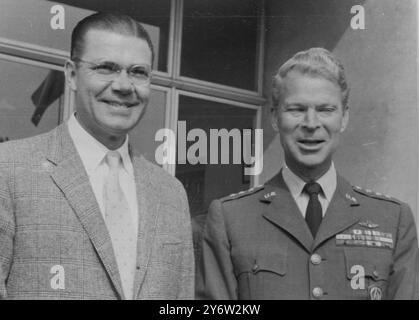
340 214
284 213
148 206
70 176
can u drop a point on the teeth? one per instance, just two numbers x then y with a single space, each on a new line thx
115 104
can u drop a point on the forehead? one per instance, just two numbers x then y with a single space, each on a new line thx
310 89
101 45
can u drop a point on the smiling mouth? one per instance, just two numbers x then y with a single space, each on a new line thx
119 104
310 144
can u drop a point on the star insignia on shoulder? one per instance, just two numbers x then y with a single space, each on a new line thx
243 193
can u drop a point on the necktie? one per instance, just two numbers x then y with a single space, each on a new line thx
314 208
120 224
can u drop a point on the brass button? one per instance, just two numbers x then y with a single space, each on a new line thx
255 268
316 259
317 292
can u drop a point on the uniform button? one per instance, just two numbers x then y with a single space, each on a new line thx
317 292
255 268
316 259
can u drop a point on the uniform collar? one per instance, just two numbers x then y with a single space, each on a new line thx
295 184
91 151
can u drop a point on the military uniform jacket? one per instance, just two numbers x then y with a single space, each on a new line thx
54 243
257 245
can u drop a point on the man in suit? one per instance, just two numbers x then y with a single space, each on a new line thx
307 233
82 216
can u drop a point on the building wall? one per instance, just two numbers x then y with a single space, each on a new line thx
379 149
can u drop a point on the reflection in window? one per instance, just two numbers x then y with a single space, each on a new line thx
219 42
205 182
30 100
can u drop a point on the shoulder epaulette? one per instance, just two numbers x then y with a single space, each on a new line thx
242 194
375 195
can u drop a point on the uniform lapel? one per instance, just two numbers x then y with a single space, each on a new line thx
340 214
148 206
70 176
284 213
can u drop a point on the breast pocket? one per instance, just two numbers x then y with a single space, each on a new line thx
170 251
257 275
367 271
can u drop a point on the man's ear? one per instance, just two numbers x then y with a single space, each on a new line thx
274 118
70 74
345 119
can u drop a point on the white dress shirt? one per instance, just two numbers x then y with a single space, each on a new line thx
92 154
295 184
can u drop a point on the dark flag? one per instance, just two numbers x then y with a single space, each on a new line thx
49 91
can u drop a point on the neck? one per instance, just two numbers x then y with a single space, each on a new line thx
110 141
308 174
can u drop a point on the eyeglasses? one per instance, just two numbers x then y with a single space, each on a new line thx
109 71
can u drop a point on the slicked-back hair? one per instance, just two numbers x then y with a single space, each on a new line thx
112 22
316 62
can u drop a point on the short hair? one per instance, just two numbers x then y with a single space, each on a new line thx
114 22
315 62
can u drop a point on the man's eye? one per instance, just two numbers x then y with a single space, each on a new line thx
295 109
105 68
326 109
139 72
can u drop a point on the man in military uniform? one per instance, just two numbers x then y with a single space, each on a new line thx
307 233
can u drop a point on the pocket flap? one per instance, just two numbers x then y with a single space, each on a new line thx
374 265
276 263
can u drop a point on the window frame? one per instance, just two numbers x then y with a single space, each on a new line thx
171 81
173 120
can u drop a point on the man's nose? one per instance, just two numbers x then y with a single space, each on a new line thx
311 119
122 82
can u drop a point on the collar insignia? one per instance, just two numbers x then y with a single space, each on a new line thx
350 198
269 195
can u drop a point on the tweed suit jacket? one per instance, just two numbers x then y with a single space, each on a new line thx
54 243
257 245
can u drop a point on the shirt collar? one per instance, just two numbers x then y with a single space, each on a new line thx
328 182
91 151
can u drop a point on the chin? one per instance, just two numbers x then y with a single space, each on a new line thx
312 162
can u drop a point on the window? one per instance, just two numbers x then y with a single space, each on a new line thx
31 100
142 137
205 182
220 41
154 13
208 74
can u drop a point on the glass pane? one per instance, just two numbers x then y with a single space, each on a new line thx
205 182
142 137
29 100
151 12
219 42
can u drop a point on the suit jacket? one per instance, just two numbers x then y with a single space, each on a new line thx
257 245
54 243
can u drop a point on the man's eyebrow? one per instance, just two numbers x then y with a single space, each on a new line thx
295 104
105 61
326 105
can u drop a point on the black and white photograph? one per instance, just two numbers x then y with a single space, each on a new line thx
206 150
